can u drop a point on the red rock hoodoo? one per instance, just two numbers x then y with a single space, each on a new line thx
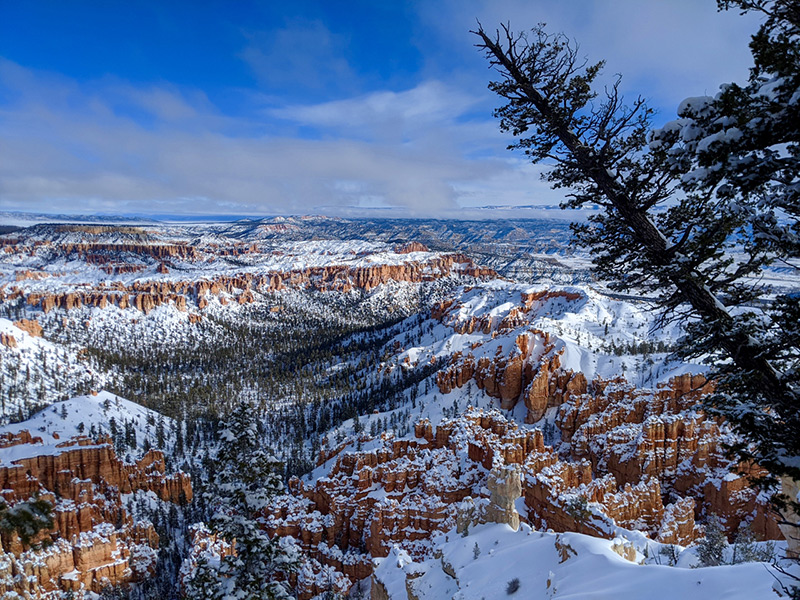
94 541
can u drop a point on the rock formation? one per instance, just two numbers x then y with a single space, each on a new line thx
145 295
411 247
519 373
93 542
473 468
31 326
505 487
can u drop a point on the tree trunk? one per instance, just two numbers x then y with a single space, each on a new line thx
742 351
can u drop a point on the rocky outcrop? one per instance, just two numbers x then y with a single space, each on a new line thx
639 437
505 487
8 340
31 326
411 247
94 542
678 526
15 439
663 434
94 461
101 253
94 230
146 295
33 275
440 309
529 299
528 370
469 469
790 528
122 268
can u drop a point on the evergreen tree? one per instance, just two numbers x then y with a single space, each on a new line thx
739 151
206 580
745 548
711 549
693 213
246 477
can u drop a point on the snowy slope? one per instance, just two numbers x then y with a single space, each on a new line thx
36 371
599 335
80 415
564 566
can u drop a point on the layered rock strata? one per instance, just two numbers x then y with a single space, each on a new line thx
94 542
469 469
146 295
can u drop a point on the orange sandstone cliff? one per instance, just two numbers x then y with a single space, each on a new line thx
94 541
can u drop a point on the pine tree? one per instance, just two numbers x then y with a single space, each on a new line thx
206 580
692 213
740 152
711 549
246 478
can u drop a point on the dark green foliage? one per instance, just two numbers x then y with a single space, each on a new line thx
303 373
512 587
246 478
743 157
26 519
671 553
205 583
692 213
578 509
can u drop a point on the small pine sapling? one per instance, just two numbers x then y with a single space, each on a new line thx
711 549
512 587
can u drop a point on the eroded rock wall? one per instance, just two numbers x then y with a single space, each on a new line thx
94 542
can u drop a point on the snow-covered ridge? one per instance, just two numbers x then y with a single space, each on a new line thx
147 271
48 262
592 332
94 415
494 561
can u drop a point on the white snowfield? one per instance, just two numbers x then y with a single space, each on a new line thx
483 564
63 420
282 257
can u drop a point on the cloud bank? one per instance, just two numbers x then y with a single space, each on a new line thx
431 149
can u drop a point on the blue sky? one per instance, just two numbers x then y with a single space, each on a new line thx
342 108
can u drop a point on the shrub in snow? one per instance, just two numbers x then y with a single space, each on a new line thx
513 586
711 549
670 552
26 518
745 548
578 509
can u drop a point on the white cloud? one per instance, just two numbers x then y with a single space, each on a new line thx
69 148
429 103
114 146
665 49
